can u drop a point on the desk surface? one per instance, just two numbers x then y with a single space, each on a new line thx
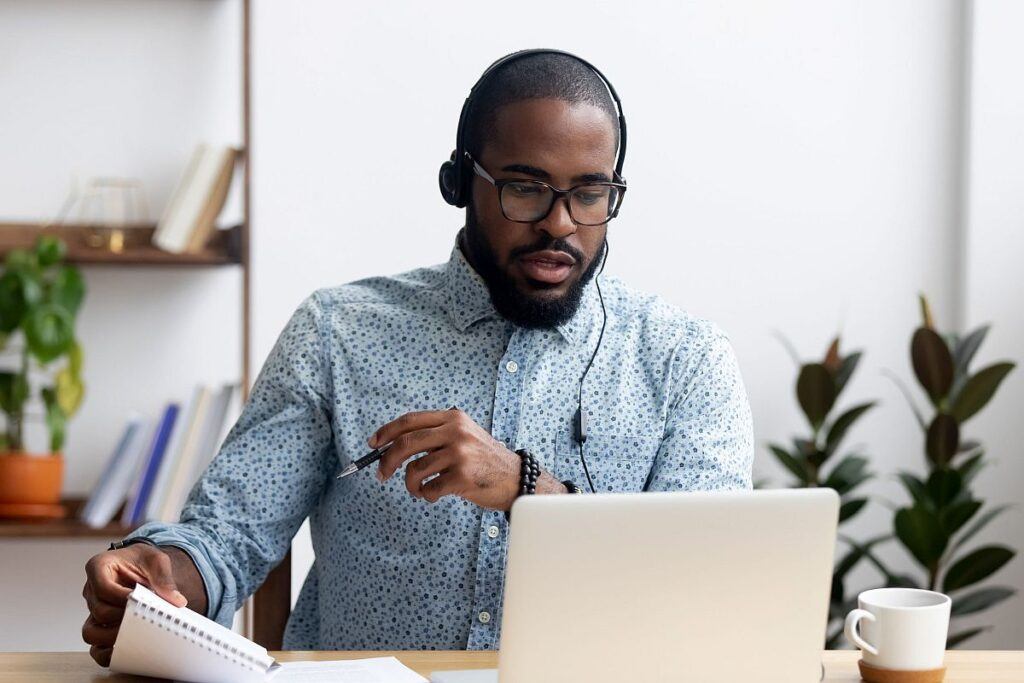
840 666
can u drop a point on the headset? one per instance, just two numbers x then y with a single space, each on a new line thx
455 177
456 174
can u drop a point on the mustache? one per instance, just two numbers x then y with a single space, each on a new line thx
549 244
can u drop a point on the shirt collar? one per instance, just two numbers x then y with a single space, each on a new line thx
470 301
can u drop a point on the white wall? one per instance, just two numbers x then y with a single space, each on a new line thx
994 256
104 88
792 165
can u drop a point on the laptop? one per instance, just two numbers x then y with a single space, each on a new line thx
702 586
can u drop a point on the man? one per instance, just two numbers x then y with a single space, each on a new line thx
508 330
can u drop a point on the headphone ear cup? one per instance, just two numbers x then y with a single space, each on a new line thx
448 182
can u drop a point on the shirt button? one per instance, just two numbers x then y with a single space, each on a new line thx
484 617
493 531
511 366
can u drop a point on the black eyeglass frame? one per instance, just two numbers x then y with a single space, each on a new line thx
556 193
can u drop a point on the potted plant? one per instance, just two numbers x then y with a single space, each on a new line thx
818 387
40 297
943 513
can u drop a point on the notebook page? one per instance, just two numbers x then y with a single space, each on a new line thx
373 670
158 639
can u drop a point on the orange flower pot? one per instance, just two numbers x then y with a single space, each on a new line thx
30 485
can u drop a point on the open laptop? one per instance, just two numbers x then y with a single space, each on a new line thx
704 586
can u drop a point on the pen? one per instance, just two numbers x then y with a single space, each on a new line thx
368 459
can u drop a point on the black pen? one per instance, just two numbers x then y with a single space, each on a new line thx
370 458
365 461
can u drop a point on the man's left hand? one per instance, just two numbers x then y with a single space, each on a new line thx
468 462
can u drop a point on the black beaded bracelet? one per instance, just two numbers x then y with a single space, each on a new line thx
529 472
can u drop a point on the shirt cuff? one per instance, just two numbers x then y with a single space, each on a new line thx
172 535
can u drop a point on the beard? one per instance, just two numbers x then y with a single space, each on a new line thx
525 309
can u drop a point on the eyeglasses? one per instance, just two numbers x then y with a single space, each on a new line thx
530 201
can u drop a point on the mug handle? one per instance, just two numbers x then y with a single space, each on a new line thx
852 632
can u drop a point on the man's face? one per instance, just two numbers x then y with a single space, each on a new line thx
536 271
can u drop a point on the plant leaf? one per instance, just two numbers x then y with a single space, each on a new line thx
906 394
916 488
847 474
966 348
979 390
49 249
69 391
789 462
843 423
932 362
55 419
971 467
960 637
68 289
976 566
846 369
942 439
832 360
980 599
958 514
75 358
979 524
12 301
943 487
921 533
788 345
49 331
926 312
816 392
850 508
900 581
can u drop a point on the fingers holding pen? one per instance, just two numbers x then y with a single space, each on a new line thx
408 444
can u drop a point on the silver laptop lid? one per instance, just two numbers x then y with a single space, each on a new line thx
704 586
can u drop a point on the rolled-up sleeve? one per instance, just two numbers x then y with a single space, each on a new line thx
269 473
708 442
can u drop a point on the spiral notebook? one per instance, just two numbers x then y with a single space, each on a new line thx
158 639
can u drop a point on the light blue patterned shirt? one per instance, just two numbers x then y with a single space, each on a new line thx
666 405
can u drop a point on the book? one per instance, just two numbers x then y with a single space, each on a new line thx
172 455
181 479
189 219
135 506
213 427
116 487
115 462
158 639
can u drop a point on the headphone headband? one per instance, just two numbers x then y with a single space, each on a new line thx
454 175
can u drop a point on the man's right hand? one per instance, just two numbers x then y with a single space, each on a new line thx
110 578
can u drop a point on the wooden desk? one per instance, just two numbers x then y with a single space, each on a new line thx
840 666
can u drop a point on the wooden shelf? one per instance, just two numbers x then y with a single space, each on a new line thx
70 527
138 250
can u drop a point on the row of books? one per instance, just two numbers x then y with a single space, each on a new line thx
157 460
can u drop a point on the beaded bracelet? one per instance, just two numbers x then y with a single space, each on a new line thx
529 471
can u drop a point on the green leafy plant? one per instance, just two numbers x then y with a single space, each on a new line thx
40 297
944 514
814 459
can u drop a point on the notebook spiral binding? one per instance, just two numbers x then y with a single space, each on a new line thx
182 628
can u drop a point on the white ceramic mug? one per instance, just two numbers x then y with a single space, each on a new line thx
903 629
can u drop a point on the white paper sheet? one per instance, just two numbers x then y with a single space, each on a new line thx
373 670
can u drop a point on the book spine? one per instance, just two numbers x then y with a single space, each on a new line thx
152 466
